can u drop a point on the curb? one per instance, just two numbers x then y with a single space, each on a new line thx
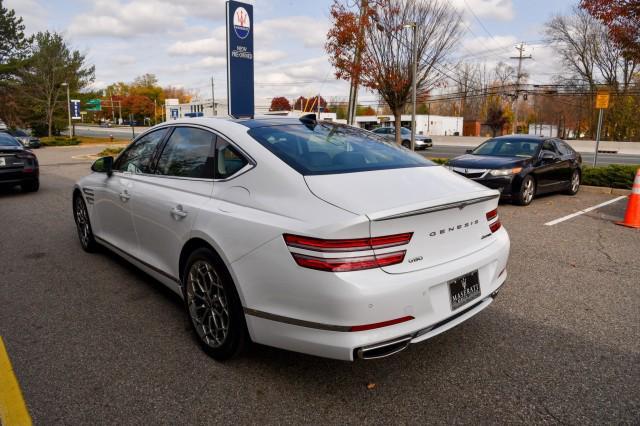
604 190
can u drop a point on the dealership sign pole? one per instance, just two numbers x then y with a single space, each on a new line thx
240 59
602 103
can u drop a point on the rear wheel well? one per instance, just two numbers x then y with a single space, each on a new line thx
191 246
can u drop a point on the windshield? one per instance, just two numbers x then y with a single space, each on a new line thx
405 131
331 149
19 133
7 140
508 148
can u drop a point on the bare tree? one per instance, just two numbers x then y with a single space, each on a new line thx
387 57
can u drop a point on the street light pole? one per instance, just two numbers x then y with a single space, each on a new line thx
69 110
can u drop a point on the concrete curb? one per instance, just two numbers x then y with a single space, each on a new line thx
604 190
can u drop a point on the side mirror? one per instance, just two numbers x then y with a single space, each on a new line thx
103 165
547 156
469 151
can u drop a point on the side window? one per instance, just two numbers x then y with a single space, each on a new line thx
563 148
228 160
138 157
187 154
549 146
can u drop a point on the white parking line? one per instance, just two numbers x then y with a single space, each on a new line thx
587 210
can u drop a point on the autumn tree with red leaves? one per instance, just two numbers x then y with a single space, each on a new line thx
385 50
622 19
280 103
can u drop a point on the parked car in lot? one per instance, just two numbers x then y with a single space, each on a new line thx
422 142
522 166
18 165
24 138
303 235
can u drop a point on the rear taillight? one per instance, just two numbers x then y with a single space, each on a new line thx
494 220
335 247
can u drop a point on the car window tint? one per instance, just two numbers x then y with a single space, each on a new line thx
187 154
8 140
549 146
563 148
228 160
508 148
326 148
138 156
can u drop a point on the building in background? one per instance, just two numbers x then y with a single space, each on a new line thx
174 110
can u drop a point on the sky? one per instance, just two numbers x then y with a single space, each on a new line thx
182 42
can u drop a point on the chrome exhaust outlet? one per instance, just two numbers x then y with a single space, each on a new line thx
384 349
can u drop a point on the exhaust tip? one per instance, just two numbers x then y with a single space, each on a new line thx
384 349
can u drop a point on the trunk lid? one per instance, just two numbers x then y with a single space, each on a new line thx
446 212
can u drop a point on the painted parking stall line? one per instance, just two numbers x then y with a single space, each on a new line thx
13 410
581 212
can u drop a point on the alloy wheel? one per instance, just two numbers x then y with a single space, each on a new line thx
207 303
528 191
82 222
575 181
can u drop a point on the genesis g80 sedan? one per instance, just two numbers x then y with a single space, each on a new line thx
300 234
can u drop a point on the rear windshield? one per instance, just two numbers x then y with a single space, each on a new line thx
7 140
326 148
508 148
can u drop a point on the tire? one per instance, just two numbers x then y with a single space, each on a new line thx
527 191
406 144
83 225
31 186
574 183
208 288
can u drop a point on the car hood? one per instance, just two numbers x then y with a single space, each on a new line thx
394 189
487 162
10 148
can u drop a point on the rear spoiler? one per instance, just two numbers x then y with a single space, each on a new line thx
461 204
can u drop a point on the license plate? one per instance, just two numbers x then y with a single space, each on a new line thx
464 289
2 162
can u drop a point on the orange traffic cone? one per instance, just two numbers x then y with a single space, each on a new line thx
632 216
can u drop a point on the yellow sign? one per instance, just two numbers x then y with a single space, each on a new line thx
602 100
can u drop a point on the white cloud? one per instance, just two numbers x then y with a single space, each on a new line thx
33 13
501 10
307 31
205 46
121 59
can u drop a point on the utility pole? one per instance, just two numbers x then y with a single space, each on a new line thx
414 71
155 112
520 50
355 79
213 97
113 113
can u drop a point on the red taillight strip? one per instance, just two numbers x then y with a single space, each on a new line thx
349 263
495 226
380 324
492 215
351 244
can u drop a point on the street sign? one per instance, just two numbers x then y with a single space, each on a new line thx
94 105
240 59
602 100
74 107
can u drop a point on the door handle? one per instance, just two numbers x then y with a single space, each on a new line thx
124 196
178 213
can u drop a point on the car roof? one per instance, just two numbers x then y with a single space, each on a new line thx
530 138
226 123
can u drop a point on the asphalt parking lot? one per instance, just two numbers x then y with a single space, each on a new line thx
93 340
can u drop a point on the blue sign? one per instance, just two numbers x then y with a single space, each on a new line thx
74 107
174 113
240 59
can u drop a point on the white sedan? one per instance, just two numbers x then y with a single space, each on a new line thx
303 235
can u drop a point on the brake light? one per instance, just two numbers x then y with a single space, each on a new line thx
493 216
347 263
351 244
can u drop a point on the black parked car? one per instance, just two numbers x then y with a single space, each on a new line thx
522 166
18 165
25 138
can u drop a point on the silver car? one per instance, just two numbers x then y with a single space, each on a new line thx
422 142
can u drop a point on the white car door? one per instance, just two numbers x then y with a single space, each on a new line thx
113 196
166 203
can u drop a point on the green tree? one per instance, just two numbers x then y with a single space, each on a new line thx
14 49
51 65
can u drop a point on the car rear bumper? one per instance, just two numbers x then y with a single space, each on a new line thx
16 176
310 311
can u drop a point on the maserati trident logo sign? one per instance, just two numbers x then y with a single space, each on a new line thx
463 281
241 23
